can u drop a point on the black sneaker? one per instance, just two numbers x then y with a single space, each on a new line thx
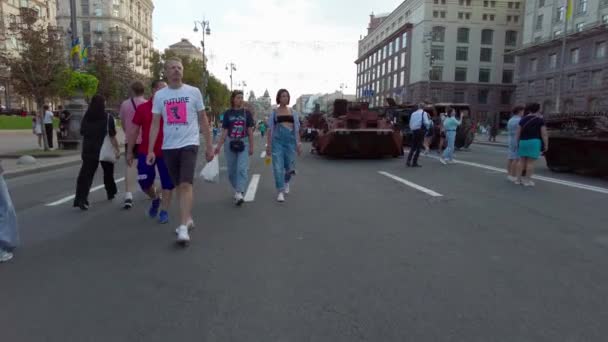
128 204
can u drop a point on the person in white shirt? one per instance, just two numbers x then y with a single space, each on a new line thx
419 123
48 125
184 117
127 111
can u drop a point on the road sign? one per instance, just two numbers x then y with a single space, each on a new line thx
368 92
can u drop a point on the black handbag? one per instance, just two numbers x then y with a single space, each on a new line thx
237 146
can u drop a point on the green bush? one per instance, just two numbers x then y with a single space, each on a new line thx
75 81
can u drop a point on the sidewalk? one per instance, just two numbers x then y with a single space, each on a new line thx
15 141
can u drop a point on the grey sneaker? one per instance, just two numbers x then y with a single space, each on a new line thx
5 256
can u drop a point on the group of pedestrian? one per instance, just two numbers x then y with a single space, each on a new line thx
163 137
528 140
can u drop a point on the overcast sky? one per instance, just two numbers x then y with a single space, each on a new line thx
306 46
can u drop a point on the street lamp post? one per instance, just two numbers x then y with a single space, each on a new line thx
74 35
205 31
232 67
243 84
342 87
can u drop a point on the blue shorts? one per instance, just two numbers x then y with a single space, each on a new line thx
530 148
147 173
513 151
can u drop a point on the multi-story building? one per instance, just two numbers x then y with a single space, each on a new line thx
9 13
579 80
442 51
184 48
102 23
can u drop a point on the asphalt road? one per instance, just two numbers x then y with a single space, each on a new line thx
457 254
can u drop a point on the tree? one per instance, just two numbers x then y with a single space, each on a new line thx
219 96
156 65
39 61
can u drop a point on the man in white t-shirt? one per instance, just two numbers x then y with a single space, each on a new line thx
184 117
48 125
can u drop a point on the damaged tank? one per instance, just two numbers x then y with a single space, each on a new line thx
578 143
352 130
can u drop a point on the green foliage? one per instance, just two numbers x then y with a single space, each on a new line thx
218 96
74 81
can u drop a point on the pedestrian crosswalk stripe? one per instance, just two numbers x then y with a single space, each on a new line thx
253 188
412 185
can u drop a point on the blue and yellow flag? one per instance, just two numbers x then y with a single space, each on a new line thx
84 55
569 8
75 48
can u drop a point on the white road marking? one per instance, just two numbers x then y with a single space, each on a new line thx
410 184
537 177
263 154
253 188
71 197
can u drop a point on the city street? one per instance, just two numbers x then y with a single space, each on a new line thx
362 250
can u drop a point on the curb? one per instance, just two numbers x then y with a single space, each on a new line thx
491 144
49 167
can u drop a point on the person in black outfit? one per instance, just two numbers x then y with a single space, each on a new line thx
419 123
94 127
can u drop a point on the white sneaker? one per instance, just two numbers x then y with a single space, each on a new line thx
281 197
511 178
5 256
190 226
529 182
443 161
182 235
451 161
238 198
286 191
518 181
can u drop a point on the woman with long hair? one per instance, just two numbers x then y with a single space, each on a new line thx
531 138
94 127
237 135
283 143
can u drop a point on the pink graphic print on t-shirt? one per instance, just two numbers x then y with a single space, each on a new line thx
177 113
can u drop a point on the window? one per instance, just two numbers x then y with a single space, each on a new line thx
561 14
395 81
460 75
403 59
516 18
404 41
579 27
605 19
509 58
442 14
486 55
437 53
541 3
571 82
489 17
574 54
396 63
505 97
482 96
557 33
600 49
439 34
531 88
84 7
553 61
86 27
462 53
459 96
463 35
464 2
98 12
539 22
533 64
464 15
549 85
596 78
517 5
439 1
486 4
115 13
437 73
507 76
511 38
403 78
484 75
582 6
487 37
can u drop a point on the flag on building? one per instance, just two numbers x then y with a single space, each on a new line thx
84 55
569 8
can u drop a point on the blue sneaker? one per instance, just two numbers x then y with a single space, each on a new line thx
154 208
163 218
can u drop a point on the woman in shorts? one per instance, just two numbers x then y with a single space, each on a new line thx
531 137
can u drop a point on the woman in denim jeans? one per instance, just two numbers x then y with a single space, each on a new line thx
450 125
237 127
283 143
9 235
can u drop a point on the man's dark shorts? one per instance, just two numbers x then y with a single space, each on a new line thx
181 164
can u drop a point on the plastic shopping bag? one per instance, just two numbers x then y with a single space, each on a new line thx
211 172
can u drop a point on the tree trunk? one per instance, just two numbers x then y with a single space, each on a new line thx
40 104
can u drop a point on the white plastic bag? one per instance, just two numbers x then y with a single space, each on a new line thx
211 172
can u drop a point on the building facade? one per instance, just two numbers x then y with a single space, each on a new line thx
442 51
104 23
9 13
186 49
579 81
